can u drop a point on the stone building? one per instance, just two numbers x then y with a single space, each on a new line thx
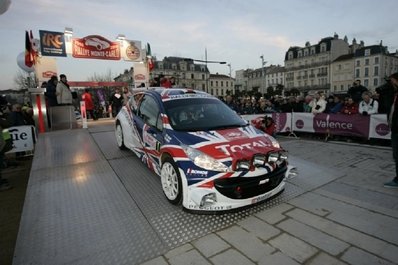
308 68
221 85
185 72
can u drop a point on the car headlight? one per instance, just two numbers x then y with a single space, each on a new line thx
204 161
274 142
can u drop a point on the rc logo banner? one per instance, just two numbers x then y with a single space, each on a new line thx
52 43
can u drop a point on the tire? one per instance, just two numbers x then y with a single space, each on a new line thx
171 181
119 136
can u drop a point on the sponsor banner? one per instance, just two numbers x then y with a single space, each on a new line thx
45 68
95 47
302 122
379 127
52 43
131 50
23 138
335 124
283 121
140 74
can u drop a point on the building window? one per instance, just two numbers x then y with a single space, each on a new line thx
341 87
216 83
305 52
226 83
366 72
367 52
203 77
222 83
323 47
375 82
366 82
358 62
339 67
357 73
366 61
211 83
376 72
300 54
290 56
376 60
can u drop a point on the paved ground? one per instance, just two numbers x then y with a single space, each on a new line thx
11 203
349 219
345 217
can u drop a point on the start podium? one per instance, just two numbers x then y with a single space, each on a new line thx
56 118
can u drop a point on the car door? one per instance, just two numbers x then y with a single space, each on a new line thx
150 128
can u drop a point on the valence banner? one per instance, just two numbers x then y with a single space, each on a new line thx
95 47
335 124
52 43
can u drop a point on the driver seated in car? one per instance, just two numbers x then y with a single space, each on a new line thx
187 116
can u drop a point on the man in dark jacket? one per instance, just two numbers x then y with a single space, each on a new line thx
51 91
355 92
392 117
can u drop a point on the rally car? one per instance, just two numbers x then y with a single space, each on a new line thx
208 158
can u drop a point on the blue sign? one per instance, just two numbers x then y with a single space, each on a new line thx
52 43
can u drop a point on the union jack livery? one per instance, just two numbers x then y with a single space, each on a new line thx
208 158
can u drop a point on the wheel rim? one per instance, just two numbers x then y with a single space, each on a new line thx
169 181
119 135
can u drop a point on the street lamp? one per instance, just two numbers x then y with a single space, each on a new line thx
262 73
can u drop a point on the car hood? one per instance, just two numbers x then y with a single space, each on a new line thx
236 143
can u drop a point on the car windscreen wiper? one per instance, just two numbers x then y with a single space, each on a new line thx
227 126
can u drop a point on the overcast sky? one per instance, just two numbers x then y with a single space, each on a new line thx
235 31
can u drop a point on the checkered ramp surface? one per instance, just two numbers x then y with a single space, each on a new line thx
90 203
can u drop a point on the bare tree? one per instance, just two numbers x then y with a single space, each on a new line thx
24 80
105 77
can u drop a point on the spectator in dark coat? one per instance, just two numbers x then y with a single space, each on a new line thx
116 102
50 93
355 92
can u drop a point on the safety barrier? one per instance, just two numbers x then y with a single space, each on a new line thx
371 126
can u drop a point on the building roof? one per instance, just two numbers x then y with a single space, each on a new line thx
168 63
374 49
344 57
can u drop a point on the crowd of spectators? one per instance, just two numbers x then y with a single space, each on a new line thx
366 104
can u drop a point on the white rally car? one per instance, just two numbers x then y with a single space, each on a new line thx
207 156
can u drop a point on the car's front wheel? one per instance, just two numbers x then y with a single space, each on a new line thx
119 137
171 181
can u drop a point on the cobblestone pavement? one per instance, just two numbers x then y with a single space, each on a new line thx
349 218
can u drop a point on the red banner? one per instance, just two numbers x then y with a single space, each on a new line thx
95 47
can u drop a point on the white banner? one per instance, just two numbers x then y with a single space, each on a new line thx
45 68
23 138
303 122
141 74
379 127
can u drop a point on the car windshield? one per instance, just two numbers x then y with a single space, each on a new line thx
201 114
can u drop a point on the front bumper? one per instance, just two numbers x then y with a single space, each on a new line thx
196 196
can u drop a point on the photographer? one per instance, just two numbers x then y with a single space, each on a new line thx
368 105
386 96
392 117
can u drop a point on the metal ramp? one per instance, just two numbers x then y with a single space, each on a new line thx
90 203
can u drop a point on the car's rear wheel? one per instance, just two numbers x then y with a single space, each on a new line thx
119 137
171 181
